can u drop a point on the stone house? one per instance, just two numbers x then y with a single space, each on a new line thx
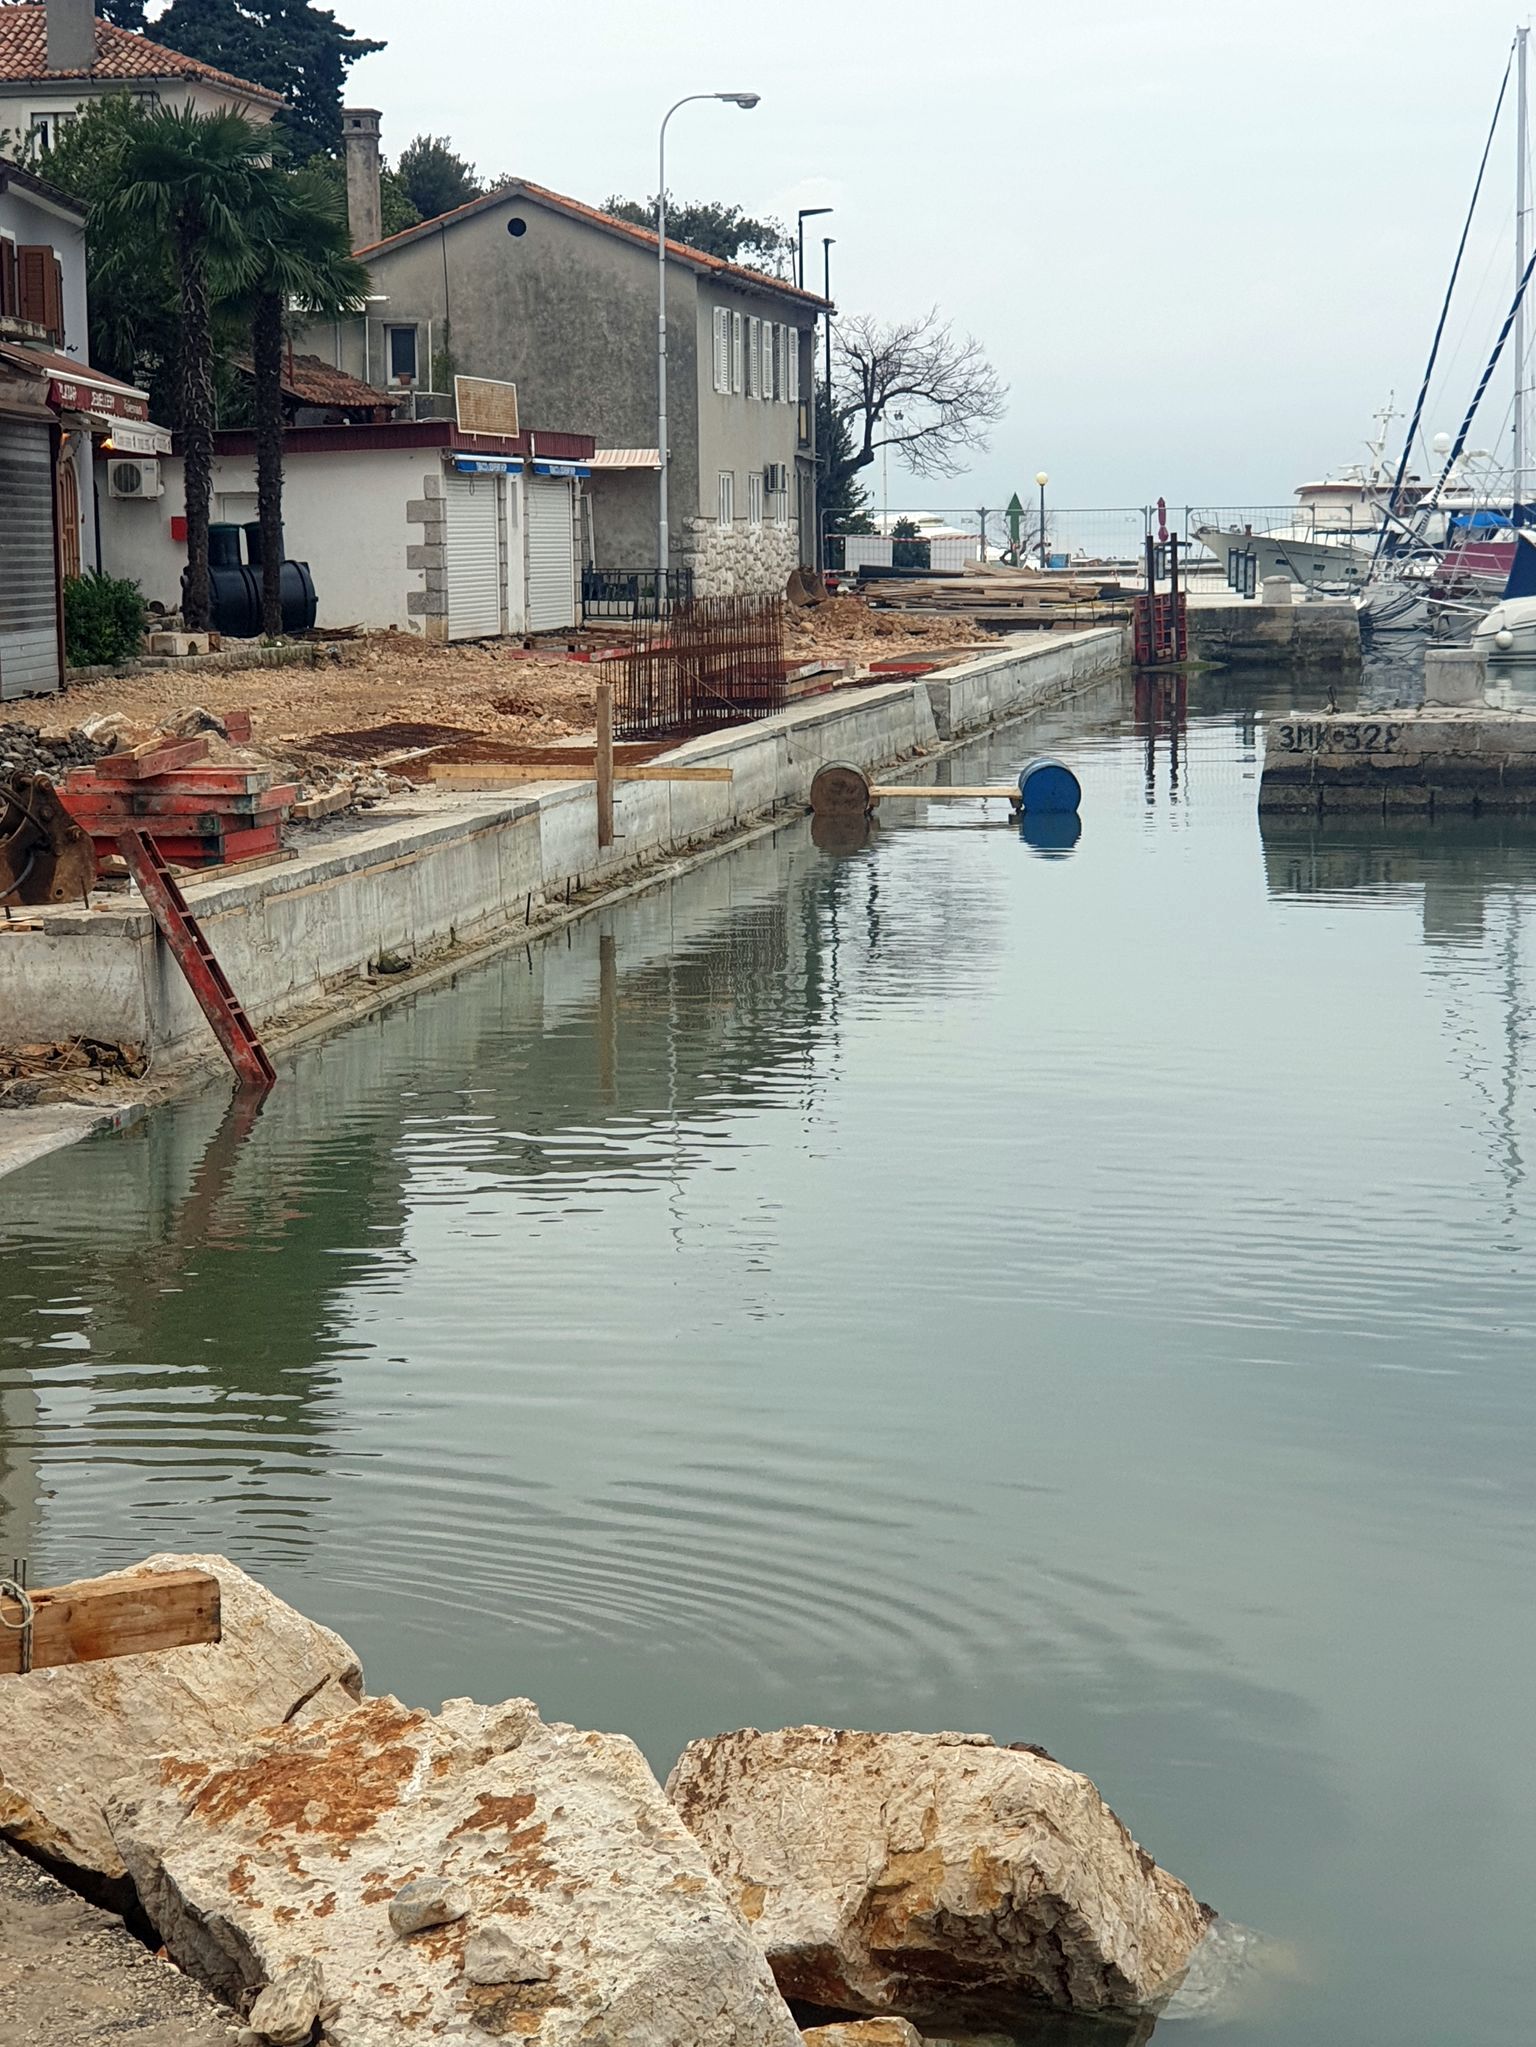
56 57
532 288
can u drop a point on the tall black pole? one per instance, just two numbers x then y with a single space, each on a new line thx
826 459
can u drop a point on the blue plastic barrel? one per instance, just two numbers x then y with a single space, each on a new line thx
1047 784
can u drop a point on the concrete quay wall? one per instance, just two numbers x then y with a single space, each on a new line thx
1426 761
439 874
1260 635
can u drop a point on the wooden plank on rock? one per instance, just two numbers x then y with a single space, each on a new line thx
96 1618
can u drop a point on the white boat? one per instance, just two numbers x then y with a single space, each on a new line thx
1305 561
1508 632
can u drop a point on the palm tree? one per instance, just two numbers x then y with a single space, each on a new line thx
194 178
303 264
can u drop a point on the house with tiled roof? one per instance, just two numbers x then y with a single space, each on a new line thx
528 287
55 57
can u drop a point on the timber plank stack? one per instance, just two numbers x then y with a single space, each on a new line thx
1006 599
199 812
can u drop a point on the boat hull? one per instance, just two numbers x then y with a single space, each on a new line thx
1307 562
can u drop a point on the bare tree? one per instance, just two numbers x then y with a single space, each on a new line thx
914 386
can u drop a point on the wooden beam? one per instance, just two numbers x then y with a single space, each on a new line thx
506 774
941 790
604 764
122 1616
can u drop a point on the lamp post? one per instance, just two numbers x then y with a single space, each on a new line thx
746 101
806 213
1042 479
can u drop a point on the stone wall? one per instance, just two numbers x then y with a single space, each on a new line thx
740 560
1275 635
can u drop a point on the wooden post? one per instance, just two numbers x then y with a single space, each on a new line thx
605 764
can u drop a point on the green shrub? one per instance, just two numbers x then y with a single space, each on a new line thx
104 620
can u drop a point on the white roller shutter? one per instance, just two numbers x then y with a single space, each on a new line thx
474 557
29 619
551 554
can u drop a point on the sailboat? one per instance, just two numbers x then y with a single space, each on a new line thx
1446 552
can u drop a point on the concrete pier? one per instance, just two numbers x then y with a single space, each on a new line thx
1233 630
1442 758
438 876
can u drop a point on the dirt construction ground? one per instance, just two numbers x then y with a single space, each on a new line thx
490 687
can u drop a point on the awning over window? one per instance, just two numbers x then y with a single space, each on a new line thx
626 458
130 436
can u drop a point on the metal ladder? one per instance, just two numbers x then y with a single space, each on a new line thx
193 954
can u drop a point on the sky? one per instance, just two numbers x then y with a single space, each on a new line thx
1201 242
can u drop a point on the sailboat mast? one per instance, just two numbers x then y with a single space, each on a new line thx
1520 154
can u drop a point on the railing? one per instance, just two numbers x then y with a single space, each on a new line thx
634 593
715 661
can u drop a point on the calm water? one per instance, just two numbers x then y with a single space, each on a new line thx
934 1285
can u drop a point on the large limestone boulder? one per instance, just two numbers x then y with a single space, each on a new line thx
295 1849
934 1876
67 1736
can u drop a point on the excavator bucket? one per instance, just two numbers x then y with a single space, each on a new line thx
45 857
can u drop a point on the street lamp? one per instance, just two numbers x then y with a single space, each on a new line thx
746 101
806 213
1042 479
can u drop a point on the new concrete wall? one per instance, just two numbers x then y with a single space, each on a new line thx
440 871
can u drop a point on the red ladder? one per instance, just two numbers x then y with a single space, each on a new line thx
193 954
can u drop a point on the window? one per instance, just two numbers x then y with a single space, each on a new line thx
736 351
402 354
40 288
781 503
9 305
43 131
792 339
770 333
754 356
722 349
755 498
727 498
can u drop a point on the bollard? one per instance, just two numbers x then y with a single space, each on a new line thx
1277 590
1455 675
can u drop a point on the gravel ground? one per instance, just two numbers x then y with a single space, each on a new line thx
72 1974
493 688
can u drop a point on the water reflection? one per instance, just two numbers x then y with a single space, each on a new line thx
910 1283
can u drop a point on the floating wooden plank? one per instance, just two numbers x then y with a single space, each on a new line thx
1010 791
96 1618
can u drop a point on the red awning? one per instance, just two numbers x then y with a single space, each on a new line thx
75 387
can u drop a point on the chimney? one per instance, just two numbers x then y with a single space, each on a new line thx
71 35
365 214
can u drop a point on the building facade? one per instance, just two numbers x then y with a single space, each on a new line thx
529 287
53 406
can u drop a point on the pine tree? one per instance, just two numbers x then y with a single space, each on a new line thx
435 178
290 46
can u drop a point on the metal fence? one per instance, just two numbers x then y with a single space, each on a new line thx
715 661
1081 536
633 593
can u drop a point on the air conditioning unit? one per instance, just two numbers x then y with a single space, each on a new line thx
775 476
140 479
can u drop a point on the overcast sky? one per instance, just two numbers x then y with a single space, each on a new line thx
1201 242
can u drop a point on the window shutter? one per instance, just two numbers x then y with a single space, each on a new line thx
55 295
786 336
736 351
770 335
754 356
8 279
722 345
34 266
792 337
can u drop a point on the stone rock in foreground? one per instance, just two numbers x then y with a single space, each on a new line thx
934 1876
865 2033
67 1736
295 1847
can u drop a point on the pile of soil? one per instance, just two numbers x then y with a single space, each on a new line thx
848 626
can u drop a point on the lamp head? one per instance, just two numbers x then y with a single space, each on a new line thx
745 100
1042 479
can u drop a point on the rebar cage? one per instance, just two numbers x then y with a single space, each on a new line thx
714 661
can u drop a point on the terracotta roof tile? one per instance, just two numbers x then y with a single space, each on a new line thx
120 55
578 210
313 381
